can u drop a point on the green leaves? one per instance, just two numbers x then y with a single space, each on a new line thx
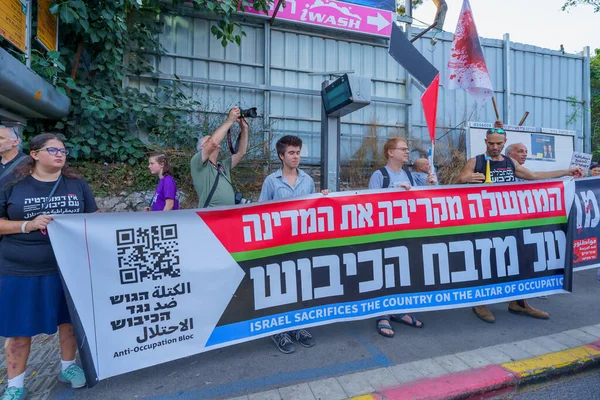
67 14
112 40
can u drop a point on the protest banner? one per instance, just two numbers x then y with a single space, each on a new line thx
583 224
147 288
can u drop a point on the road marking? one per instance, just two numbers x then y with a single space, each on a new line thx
553 361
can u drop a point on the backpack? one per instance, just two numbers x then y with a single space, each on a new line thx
386 177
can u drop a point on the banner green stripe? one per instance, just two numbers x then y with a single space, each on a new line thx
401 234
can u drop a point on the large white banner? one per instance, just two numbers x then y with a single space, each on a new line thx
147 288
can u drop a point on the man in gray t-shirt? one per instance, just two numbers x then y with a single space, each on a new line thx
396 152
397 179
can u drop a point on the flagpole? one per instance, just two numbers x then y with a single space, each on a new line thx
524 118
495 108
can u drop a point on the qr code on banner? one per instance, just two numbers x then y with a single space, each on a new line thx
148 253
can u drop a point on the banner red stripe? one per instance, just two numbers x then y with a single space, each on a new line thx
272 224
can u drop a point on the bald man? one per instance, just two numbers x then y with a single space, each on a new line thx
517 151
421 168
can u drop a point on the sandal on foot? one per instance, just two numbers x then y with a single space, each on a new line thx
382 326
413 321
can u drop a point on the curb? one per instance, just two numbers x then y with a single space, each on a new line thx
505 376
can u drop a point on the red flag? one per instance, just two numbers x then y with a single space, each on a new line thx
466 66
429 100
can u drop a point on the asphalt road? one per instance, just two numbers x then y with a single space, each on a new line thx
345 348
583 386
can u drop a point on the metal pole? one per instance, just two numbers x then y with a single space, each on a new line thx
28 34
408 78
506 74
587 102
267 94
330 149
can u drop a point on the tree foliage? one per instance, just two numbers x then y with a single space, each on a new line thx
573 3
595 106
103 43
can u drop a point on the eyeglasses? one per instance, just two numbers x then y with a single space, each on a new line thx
496 130
53 151
401 148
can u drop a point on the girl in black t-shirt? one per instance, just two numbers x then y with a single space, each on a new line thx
32 300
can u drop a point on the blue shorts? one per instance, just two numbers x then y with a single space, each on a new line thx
32 305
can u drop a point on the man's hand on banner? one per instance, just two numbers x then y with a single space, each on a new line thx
325 191
404 185
475 177
575 172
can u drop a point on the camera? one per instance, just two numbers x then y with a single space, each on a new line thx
249 113
239 199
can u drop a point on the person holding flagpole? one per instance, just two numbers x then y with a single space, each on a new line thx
467 70
503 169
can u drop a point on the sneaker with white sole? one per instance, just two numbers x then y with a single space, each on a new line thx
73 375
14 393
284 343
303 337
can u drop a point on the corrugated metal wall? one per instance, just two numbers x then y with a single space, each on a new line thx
272 71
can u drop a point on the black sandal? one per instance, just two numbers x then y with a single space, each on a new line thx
413 323
381 327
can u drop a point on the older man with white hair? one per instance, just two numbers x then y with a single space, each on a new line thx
9 150
212 178
518 152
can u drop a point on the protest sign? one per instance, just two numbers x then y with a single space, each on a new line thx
582 160
584 224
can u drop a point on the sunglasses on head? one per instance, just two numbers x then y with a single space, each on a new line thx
496 130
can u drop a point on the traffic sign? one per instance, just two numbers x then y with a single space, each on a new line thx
13 23
47 28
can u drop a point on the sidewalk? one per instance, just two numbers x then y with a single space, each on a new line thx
468 373
350 359
473 372
42 368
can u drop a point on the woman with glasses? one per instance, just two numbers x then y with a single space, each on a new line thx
32 300
395 175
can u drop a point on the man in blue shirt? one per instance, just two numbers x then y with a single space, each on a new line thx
421 171
289 181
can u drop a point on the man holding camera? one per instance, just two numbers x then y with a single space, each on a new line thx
212 178
289 181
